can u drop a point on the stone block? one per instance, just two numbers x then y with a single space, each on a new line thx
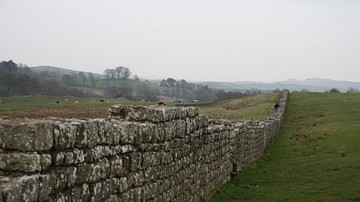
106 132
116 166
96 191
45 161
26 188
192 111
63 178
127 133
65 135
69 158
123 184
80 193
88 172
132 162
26 136
135 179
119 185
138 113
113 198
25 162
154 114
91 155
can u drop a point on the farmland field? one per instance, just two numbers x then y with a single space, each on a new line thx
315 157
71 107
58 106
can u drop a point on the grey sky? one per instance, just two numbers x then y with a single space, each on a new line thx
222 40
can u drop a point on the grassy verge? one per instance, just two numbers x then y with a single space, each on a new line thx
314 158
242 108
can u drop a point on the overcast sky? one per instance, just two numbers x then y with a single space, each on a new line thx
219 40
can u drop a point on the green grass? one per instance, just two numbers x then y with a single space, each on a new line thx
68 107
242 108
22 102
316 156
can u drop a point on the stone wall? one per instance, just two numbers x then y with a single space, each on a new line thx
140 154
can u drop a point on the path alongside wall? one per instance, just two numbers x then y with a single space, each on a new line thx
141 154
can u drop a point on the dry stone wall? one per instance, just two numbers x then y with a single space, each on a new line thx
140 154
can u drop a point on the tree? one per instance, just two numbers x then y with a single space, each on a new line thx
8 78
136 78
82 77
109 73
92 79
163 83
9 66
352 90
334 90
68 80
171 82
126 73
119 71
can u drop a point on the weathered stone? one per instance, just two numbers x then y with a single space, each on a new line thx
96 191
11 191
150 159
69 158
26 162
65 177
113 198
107 189
64 135
26 188
96 153
132 161
88 172
80 193
138 113
135 179
123 184
78 156
26 136
86 134
45 161
104 168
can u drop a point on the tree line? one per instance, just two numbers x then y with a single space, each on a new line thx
20 80
120 72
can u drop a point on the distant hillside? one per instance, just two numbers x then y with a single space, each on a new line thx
60 71
111 85
313 84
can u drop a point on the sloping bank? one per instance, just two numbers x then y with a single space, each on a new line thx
140 154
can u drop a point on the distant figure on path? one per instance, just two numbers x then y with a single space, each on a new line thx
276 107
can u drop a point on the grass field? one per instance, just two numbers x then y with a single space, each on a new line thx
316 156
59 106
71 107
